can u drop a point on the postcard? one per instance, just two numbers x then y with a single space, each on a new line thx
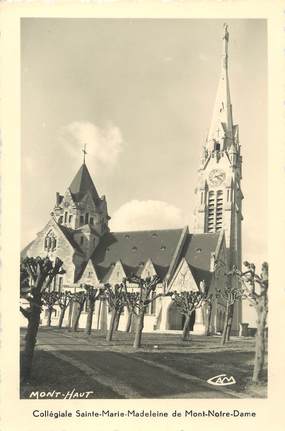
142 214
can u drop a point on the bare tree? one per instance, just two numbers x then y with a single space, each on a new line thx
208 303
131 299
64 299
146 289
36 274
92 295
115 299
255 290
230 294
188 302
78 299
49 300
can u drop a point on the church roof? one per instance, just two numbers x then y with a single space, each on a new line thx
197 251
82 183
135 248
68 233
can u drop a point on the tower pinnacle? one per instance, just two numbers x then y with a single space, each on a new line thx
221 131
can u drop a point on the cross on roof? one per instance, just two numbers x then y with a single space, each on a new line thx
84 153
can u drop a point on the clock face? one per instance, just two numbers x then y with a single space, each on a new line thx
216 177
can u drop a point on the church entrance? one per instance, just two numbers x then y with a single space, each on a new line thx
176 320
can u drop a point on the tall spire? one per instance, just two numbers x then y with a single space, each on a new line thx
221 130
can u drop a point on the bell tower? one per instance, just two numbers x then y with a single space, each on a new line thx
218 192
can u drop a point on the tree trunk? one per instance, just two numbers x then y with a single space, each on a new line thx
139 329
230 322
99 313
112 325
208 319
185 333
61 317
30 342
134 323
77 313
129 321
118 319
69 323
227 325
50 310
260 340
89 318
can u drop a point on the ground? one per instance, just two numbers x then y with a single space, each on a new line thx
166 367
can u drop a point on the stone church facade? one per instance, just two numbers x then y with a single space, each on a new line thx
78 233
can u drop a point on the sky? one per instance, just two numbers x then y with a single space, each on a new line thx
140 94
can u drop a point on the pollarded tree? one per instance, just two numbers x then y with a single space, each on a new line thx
208 302
64 299
78 300
146 289
131 300
255 290
36 275
230 295
115 299
187 302
49 300
92 295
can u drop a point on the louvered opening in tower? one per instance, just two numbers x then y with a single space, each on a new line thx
219 210
211 212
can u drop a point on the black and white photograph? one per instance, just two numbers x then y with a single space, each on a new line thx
144 209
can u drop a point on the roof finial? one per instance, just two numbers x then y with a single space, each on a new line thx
225 47
84 153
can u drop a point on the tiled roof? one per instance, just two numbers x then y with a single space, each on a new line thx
134 249
197 251
81 184
68 233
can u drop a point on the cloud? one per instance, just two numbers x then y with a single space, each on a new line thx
104 144
140 215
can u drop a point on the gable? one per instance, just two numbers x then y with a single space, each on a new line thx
89 275
183 279
148 270
67 200
87 202
117 274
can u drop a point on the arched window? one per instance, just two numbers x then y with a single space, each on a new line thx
50 241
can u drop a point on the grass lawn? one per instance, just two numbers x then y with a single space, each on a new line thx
202 357
50 373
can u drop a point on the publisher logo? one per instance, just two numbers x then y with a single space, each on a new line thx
222 380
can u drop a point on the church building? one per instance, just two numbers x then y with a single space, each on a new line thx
78 233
